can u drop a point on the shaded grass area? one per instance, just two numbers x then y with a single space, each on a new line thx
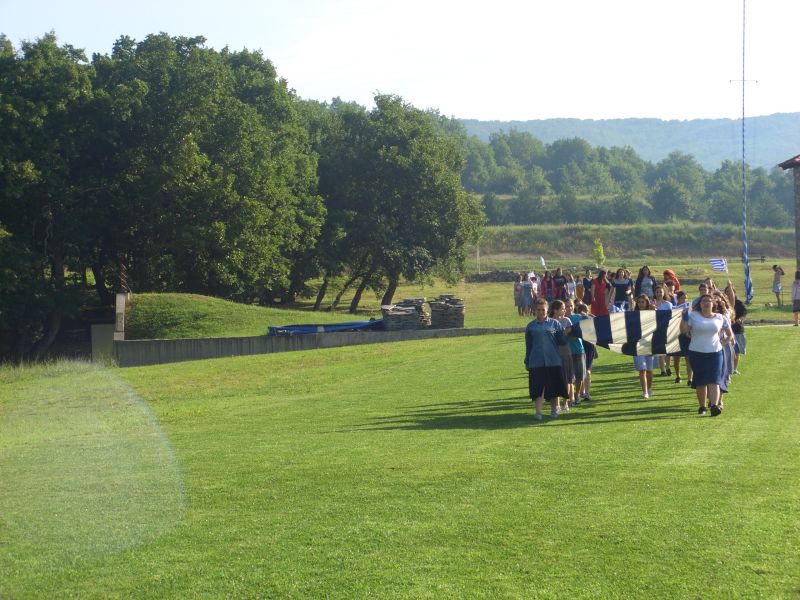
414 470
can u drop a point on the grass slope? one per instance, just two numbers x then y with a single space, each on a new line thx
409 470
168 316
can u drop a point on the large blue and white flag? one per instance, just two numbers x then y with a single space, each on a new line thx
635 333
719 264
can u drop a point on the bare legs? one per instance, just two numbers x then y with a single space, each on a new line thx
577 388
646 381
539 404
676 362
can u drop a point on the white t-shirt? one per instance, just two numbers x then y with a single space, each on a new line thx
705 332
665 305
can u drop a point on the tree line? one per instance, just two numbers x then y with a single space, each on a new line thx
523 181
201 171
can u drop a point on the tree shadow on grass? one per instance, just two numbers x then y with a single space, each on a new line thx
517 411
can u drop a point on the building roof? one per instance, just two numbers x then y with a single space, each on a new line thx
792 163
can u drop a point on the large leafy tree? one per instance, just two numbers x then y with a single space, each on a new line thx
189 165
396 207
684 169
210 184
44 90
671 200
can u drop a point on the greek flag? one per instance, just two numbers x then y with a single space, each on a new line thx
635 333
719 264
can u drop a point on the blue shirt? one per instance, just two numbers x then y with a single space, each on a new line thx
576 344
541 343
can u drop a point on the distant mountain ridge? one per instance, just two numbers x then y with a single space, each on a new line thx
769 139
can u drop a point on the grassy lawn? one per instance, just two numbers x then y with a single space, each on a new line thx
409 470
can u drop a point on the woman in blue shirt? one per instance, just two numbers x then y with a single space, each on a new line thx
543 336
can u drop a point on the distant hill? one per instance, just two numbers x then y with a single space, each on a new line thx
770 139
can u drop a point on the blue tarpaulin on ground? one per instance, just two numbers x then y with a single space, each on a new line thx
374 325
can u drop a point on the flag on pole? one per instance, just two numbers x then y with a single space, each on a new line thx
541 260
635 333
719 264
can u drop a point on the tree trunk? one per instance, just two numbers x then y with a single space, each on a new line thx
361 287
53 327
106 297
54 320
389 294
321 293
342 291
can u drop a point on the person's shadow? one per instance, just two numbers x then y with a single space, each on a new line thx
614 400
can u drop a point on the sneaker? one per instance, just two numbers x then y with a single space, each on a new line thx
645 395
587 399
663 374
650 393
715 411
554 413
701 410
689 382
566 407
678 379
736 372
537 416
669 372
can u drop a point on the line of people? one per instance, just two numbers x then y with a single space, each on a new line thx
557 362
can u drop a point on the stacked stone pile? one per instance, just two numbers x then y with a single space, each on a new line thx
409 313
447 312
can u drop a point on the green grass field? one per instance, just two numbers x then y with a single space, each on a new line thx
409 470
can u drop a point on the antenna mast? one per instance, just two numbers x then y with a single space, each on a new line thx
748 283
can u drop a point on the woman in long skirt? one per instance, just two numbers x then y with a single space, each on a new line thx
708 334
543 337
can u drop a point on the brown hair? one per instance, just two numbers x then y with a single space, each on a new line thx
647 299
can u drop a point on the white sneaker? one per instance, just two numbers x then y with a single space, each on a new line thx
649 392
645 395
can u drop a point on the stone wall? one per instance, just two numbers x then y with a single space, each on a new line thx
134 353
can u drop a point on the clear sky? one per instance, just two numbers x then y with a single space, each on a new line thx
489 60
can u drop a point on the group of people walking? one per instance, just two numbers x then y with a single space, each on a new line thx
559 363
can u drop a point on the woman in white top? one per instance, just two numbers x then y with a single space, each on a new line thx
777 273
708 333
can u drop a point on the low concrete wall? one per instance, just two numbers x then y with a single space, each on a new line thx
102 341
136 353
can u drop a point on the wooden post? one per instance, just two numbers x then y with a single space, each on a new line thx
119 328
794 165
797 217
